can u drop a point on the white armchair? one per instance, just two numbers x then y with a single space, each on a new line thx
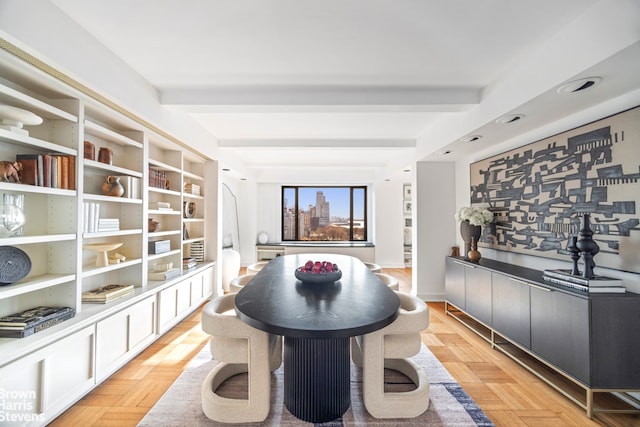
239 348
388 280
391 347
256 267
239 282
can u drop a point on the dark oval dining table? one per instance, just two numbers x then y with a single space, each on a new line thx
316 321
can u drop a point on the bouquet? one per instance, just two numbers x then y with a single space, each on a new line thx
475 216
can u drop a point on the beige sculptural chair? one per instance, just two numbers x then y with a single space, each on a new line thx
388 280
375 268
237 283
256 267
239 348
391 347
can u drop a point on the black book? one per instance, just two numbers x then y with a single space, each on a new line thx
13 332
34 316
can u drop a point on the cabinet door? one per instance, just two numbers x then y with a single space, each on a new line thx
560 331
478 293
454 283
121 335
511 309
42 384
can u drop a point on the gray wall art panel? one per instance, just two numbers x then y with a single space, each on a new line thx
538 191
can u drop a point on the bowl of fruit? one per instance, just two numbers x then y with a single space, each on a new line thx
318 272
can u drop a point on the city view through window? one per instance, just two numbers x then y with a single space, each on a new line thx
324 213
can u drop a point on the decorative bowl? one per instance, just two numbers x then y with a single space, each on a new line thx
318 277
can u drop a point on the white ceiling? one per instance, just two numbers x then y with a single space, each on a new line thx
365 84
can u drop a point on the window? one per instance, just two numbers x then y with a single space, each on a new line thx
324 213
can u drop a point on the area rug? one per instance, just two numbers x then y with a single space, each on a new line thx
449 404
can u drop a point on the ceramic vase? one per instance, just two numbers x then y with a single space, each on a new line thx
473 254
112 187
468 232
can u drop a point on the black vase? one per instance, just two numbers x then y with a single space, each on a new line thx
469 232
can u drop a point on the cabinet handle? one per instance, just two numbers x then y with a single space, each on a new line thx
465 264
530 284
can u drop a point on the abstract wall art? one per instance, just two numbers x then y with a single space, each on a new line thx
537 192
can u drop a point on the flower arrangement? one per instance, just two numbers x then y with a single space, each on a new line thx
475 216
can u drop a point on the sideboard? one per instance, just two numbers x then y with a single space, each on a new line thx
590 340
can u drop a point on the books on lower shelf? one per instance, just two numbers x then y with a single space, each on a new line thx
105 294
160 206
48 170
30 321
598 284
188 263
164 275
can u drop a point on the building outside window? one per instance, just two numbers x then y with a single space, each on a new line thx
324 213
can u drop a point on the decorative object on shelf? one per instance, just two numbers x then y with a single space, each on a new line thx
318 272
112 187
575 254
263 238
587 246
473 254
472 219
89 151
11 215
189 209
230 266
10 171
14 118
102 260
185 232
455 251
153 225
15 264
105 155
196 251
159 247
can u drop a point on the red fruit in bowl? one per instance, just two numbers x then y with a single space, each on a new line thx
308 265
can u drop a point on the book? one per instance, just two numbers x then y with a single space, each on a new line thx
72 172
13 332
32 168
34 316
164 275
106 293
64 172
46 170
596 281
584 288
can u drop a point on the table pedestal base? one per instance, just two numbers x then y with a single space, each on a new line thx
317 378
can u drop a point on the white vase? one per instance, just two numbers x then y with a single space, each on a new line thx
263 238
230 267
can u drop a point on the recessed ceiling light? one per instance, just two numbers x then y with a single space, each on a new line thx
448 152
471 138
226 169
407 170
387 179
509 119
579 85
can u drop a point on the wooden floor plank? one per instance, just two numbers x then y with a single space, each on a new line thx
509 395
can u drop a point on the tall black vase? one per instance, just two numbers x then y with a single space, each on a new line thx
469 232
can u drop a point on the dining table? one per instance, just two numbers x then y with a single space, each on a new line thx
316 321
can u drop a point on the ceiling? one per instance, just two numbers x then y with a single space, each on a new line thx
368 85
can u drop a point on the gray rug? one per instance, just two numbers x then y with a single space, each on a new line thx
449 404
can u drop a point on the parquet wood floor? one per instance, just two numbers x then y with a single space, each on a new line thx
508 394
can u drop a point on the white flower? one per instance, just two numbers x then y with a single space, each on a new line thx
475 216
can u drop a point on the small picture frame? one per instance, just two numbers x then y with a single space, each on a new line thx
407 207
407 191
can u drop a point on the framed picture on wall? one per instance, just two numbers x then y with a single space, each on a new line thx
538 192
407 191
407 207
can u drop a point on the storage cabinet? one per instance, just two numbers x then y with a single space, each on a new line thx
72 210
587 338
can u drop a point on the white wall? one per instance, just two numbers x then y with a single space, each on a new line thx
434 208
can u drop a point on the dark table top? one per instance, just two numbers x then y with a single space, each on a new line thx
276 301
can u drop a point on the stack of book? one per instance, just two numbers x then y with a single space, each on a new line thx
196 251
48 170
190 188
188 263
108 224
160 206
90 213
164 275
28 322
158 178
105 294
598 284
